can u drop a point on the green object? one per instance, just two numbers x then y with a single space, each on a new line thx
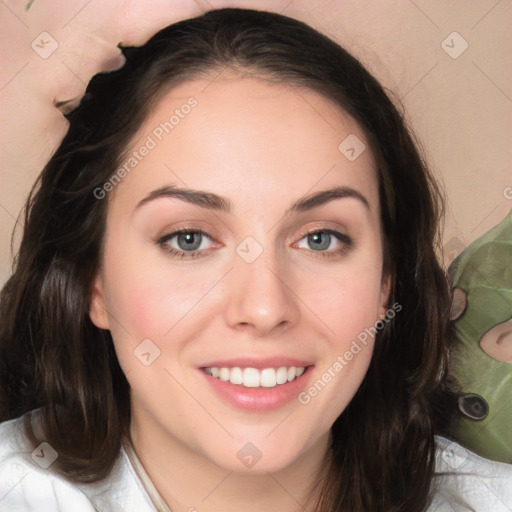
483 272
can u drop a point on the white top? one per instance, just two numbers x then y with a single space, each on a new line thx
464 481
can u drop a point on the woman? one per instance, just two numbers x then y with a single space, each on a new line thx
227 296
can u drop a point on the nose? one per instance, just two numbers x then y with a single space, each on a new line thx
260 296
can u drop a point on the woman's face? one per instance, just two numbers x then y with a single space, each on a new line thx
249 164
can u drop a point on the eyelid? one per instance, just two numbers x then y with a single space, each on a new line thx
323 229
185 229
177 231
342 237
346 240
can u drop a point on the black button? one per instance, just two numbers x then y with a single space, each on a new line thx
473 406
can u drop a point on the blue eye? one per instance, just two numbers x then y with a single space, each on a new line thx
321 240
189 242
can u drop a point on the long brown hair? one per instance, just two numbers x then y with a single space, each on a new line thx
52 356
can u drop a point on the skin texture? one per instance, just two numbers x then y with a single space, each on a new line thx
262 146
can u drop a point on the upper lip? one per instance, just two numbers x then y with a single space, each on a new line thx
258 363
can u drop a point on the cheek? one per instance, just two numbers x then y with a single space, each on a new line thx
347 300
129 297
146 295
349 308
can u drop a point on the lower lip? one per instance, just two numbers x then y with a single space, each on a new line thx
258 399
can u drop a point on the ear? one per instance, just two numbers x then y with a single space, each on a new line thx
497 342
385 290
97 306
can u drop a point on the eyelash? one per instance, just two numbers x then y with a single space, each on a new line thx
344 239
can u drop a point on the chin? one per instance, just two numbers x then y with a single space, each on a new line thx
258 456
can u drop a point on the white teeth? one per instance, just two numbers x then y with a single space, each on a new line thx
251 378
268 378
282 375
254 378
235 376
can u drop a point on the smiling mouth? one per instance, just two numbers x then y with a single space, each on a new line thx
254 378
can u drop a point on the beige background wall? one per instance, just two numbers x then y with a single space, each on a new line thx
460 108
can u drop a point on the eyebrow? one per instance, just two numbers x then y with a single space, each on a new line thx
211 201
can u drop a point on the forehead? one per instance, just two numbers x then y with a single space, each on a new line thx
246 133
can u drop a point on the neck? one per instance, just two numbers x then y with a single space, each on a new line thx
187 481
